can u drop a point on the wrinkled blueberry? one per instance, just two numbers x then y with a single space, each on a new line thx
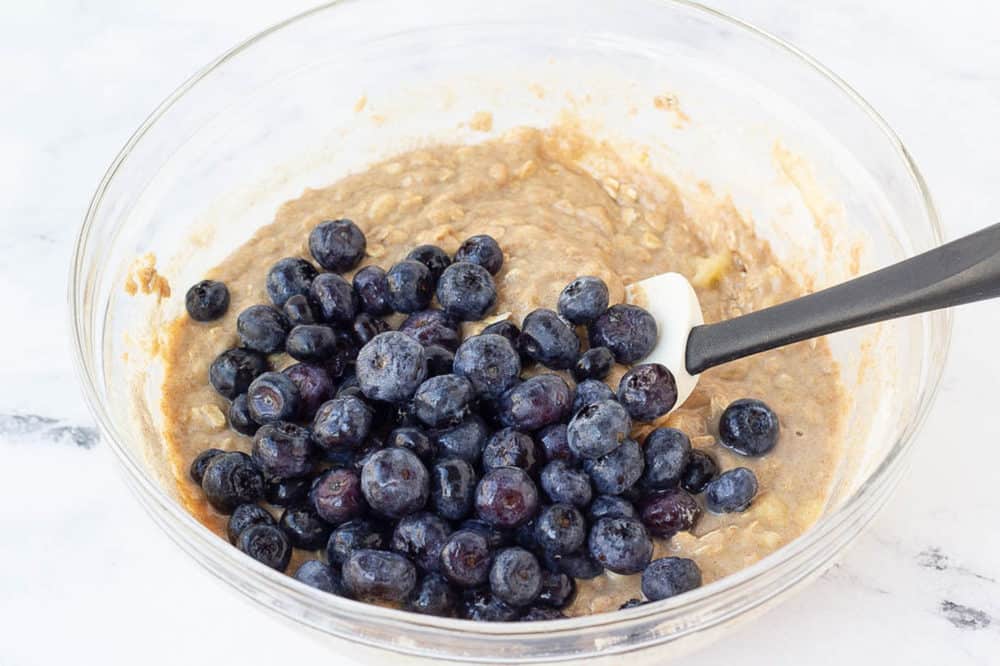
395 482
244 516
549 340
453 485
231 479
648 391
315 387
466 291
490 363
365 327
200 462
207 300
617 471
749 427
495 537
343 357
700 469
482 250
591 391
609 506
555 443
541 614
598 429
304 527
622 545
594 363
627 330
353 536
372 287
440 361
335 299
667 451
411 286
515 576
413 439
535 403
432 327
337 245
420 537
391 367
506 497
233 370
558 590
480 606
317 574
510 448
283 451
584 299
443 401
668 512
379 575
670 576
311 342
240 418
342 422
579 565
432 257
273 397
336 496
466 558
506 329
730 492
299 310
267 544
287 492
465 441
262 328
289 277
433 595
564 483
560 529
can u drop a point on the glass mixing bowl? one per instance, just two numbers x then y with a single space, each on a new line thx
702 96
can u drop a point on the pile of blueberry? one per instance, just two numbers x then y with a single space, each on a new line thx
426 468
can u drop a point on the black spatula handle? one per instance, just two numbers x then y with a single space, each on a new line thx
962 271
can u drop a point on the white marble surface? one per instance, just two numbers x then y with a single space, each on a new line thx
85 574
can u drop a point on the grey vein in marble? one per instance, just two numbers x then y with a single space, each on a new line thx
965 617
48 429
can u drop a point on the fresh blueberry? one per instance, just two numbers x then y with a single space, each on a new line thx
432 257
244 516
315 573
591 391
466 558
670 576
289 277
668 512
594 363
490 363
598 429
315 386
524 536
372 287
632 603
366 327
267 544
480 606
283 451
731 492
555 443
420 537
453 486
262 328
240 418
584 299
466 291
560 529
443 401
311 342
616 472
412 439
395 482
558 590
411 286
627 330
648 391
609 506
335 299
535 403
506 329
233 370
465 440
299 310
200 462
391 367
440 361
433 595
495 537
564 483
287 492
622 545
207 300
699 471
342 422
516 576
506 497
273 397
336 496
304 527
337 245
549 340
432 327
541 614
749 427
482 250
231 479
511 448
579 565
343 358
353 536
667 451
379 575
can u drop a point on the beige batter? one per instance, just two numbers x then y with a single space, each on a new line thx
555 221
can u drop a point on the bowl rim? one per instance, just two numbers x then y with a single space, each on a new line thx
875 489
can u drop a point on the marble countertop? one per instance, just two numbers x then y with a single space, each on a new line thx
86 573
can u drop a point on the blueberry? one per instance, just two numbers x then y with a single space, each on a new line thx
560 529
598 429
207 300
549 340
342 422
299 310
579 565
336 496
453 485
667 451
506 497
317 574
200 462
535 403
233 370
337 245
482 250
287 492
466 291
379 575
731 492
335 299
541 614
239 416
668 512
443 401
440 361
262 328
289 277
506 329
495 537
480 606
595 363
515 577
395 482
304 527
244 516
372 287
273 397
555 443
433 595
466 558
700 469
465 440
510 448
627 330
749 427
564 483
420 537
353 536
632 603
558 590
344 356
411 286
311 342
524 536
591 391
622 545
315 387
432 327
267 544
414 440
584 299
391 367
490 363
231 479
365 327
432 257
609 506
616 472
670 576
648 391
283 451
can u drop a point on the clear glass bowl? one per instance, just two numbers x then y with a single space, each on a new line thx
284 111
